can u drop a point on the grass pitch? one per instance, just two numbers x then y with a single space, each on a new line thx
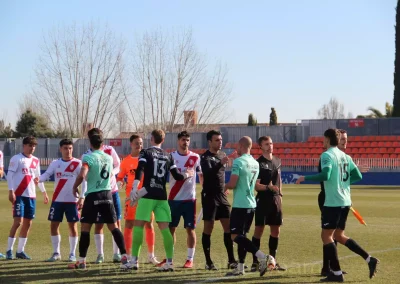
300 246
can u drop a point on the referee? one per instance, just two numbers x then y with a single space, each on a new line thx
213 198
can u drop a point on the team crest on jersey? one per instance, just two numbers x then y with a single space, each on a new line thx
24 171
71 167
191 162
59 175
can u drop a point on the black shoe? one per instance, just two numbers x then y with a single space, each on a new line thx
372 264
325 272
279 268
210 266
254 267
232 265
333 278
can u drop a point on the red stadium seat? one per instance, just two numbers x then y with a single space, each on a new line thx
367 144
374 144
362 150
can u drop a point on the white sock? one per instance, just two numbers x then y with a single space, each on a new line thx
21 244
241 266
115 247
73 243
190 252
55 241
260 254
150 255
10 244
81 259
99 240
368 259
337 273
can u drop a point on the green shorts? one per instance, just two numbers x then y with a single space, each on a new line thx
146 206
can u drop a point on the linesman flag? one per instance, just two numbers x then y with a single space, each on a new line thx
358 216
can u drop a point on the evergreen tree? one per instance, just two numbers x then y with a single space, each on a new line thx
273 118
31 123
252 120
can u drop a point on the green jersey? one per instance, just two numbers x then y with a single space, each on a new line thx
337 187
100 170
247 169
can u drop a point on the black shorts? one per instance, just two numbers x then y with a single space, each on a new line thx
334 217
215 207
269 211
321 200
98 207
241 220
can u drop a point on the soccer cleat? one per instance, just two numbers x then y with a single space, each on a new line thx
232 265
188 264
372 265
77 265
116 258
9 255
254 267
211 266
262 266
130 265
235 272
162 263
333 278
166 267
2 256
279 268
124 259
56 256
72 258
100 259
325 273
22 255
153 260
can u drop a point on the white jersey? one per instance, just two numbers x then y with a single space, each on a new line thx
65 173
184 189
116 165
1 160
24 170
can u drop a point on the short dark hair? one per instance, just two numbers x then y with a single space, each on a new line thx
342 131
94 131
96 140
211 133
29 140
183 134
158 136
133 137
333 135
262 139
66 141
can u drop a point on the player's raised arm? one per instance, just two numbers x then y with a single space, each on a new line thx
324 175
236 168
176 174
116 162
208 168
47 174
82 176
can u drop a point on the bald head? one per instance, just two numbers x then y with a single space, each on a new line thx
244 145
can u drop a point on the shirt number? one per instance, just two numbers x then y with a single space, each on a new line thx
104 174
344 172
252 179
159 168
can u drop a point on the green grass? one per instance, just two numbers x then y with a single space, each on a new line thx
300 246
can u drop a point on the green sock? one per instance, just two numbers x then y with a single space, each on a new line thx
137 240
168 243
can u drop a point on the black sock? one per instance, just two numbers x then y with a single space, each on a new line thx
119 240
325 260
84 243
331 252
246 243
229 247
354 247
273 245
335 241
206 241
241 253
256 243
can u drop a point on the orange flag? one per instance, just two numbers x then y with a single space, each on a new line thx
358 216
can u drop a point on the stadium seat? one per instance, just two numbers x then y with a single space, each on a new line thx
370 150
381 144
366 144
374 144
357 138
393 156
362 150
359 144
382 150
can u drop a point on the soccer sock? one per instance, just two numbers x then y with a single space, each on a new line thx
168 243
10 244
354 247
55 241
73 243
21 244
246 244
331 252
99 241
273 245
115 247
325 260
84 243
335 241
256 243
150 240
229 247
128 239
119 240
190 252
206 242
137 240
241 253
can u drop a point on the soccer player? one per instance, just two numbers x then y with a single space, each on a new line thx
65 171
152 197
338 172
213 198
97 169
98 229
22 171
269 199
128 169
182 197
245 170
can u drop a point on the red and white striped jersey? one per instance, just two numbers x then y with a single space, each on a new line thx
184 189
25 170
65 173
116 164
1 160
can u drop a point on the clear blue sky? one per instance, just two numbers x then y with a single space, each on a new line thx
290 54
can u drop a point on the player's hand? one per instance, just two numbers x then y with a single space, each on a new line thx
300 179
80 203
133 196
45 198
225 160
363 168
120 184
226 192
36 180
11 196
273 187
190 172
234 155
75 192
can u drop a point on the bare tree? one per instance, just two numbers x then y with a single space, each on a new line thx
332 110
78 79
172 76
